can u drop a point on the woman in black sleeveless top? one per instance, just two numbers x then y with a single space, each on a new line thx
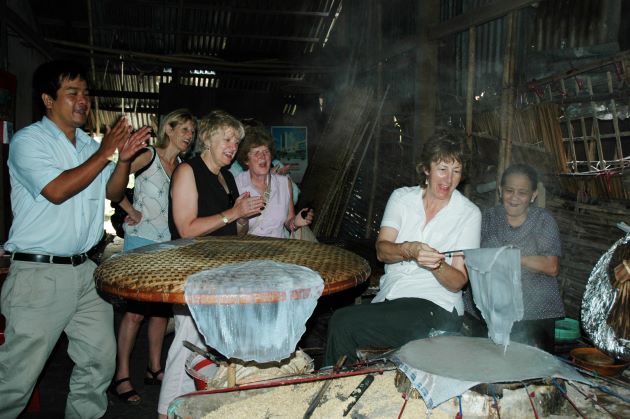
203 201
204 196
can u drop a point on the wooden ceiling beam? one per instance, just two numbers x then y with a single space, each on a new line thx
476 17
206 6
200 62
118 29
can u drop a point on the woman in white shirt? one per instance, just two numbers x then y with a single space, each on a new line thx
421 288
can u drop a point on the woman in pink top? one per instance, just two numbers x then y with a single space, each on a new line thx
278 218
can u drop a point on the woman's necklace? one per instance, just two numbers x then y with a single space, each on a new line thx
265 196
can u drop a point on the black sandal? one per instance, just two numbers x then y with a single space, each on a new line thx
127 395
153 380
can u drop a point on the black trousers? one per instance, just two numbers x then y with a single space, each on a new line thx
389 324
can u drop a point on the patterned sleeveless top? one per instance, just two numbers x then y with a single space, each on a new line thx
150 197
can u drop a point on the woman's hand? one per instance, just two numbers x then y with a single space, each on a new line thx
304 217
281 169
422 253
133 217
451 276
247 206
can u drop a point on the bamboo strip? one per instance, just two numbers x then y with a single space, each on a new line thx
615 116
595 127
587 144
570 132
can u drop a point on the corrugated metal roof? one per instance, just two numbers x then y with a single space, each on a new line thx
136 45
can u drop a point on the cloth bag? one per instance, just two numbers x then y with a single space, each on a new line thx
304 233
495 277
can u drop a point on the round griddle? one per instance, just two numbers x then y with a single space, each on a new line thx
157 273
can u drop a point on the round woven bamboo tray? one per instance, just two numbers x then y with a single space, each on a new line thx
157 273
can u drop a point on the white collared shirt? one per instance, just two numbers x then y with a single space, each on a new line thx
456 226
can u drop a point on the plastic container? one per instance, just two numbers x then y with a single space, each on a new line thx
201 370
567 329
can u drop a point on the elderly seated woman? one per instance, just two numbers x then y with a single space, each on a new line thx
421 288
516 222
256 153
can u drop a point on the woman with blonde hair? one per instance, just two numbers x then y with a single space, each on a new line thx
204 201
147 223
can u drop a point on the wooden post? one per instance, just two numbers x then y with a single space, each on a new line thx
470 93
470 85
95 84
5 207
426 77
231 375
378 132
507 99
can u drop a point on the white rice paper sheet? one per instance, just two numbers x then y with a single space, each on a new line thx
495 277
444 367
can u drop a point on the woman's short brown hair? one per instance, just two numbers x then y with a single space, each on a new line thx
442 146
255 136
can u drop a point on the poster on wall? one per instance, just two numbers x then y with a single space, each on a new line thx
291 149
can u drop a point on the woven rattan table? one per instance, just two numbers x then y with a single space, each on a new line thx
158 272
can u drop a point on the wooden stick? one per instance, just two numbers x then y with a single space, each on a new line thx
315 402
231 375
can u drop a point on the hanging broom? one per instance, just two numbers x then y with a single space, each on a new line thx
619 276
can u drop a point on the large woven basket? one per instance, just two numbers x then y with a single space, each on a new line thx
158 272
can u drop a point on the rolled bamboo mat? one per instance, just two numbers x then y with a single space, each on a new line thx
158 272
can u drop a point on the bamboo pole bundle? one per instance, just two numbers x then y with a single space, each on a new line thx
328 170
548 119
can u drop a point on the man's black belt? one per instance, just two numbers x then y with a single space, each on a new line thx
73 260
